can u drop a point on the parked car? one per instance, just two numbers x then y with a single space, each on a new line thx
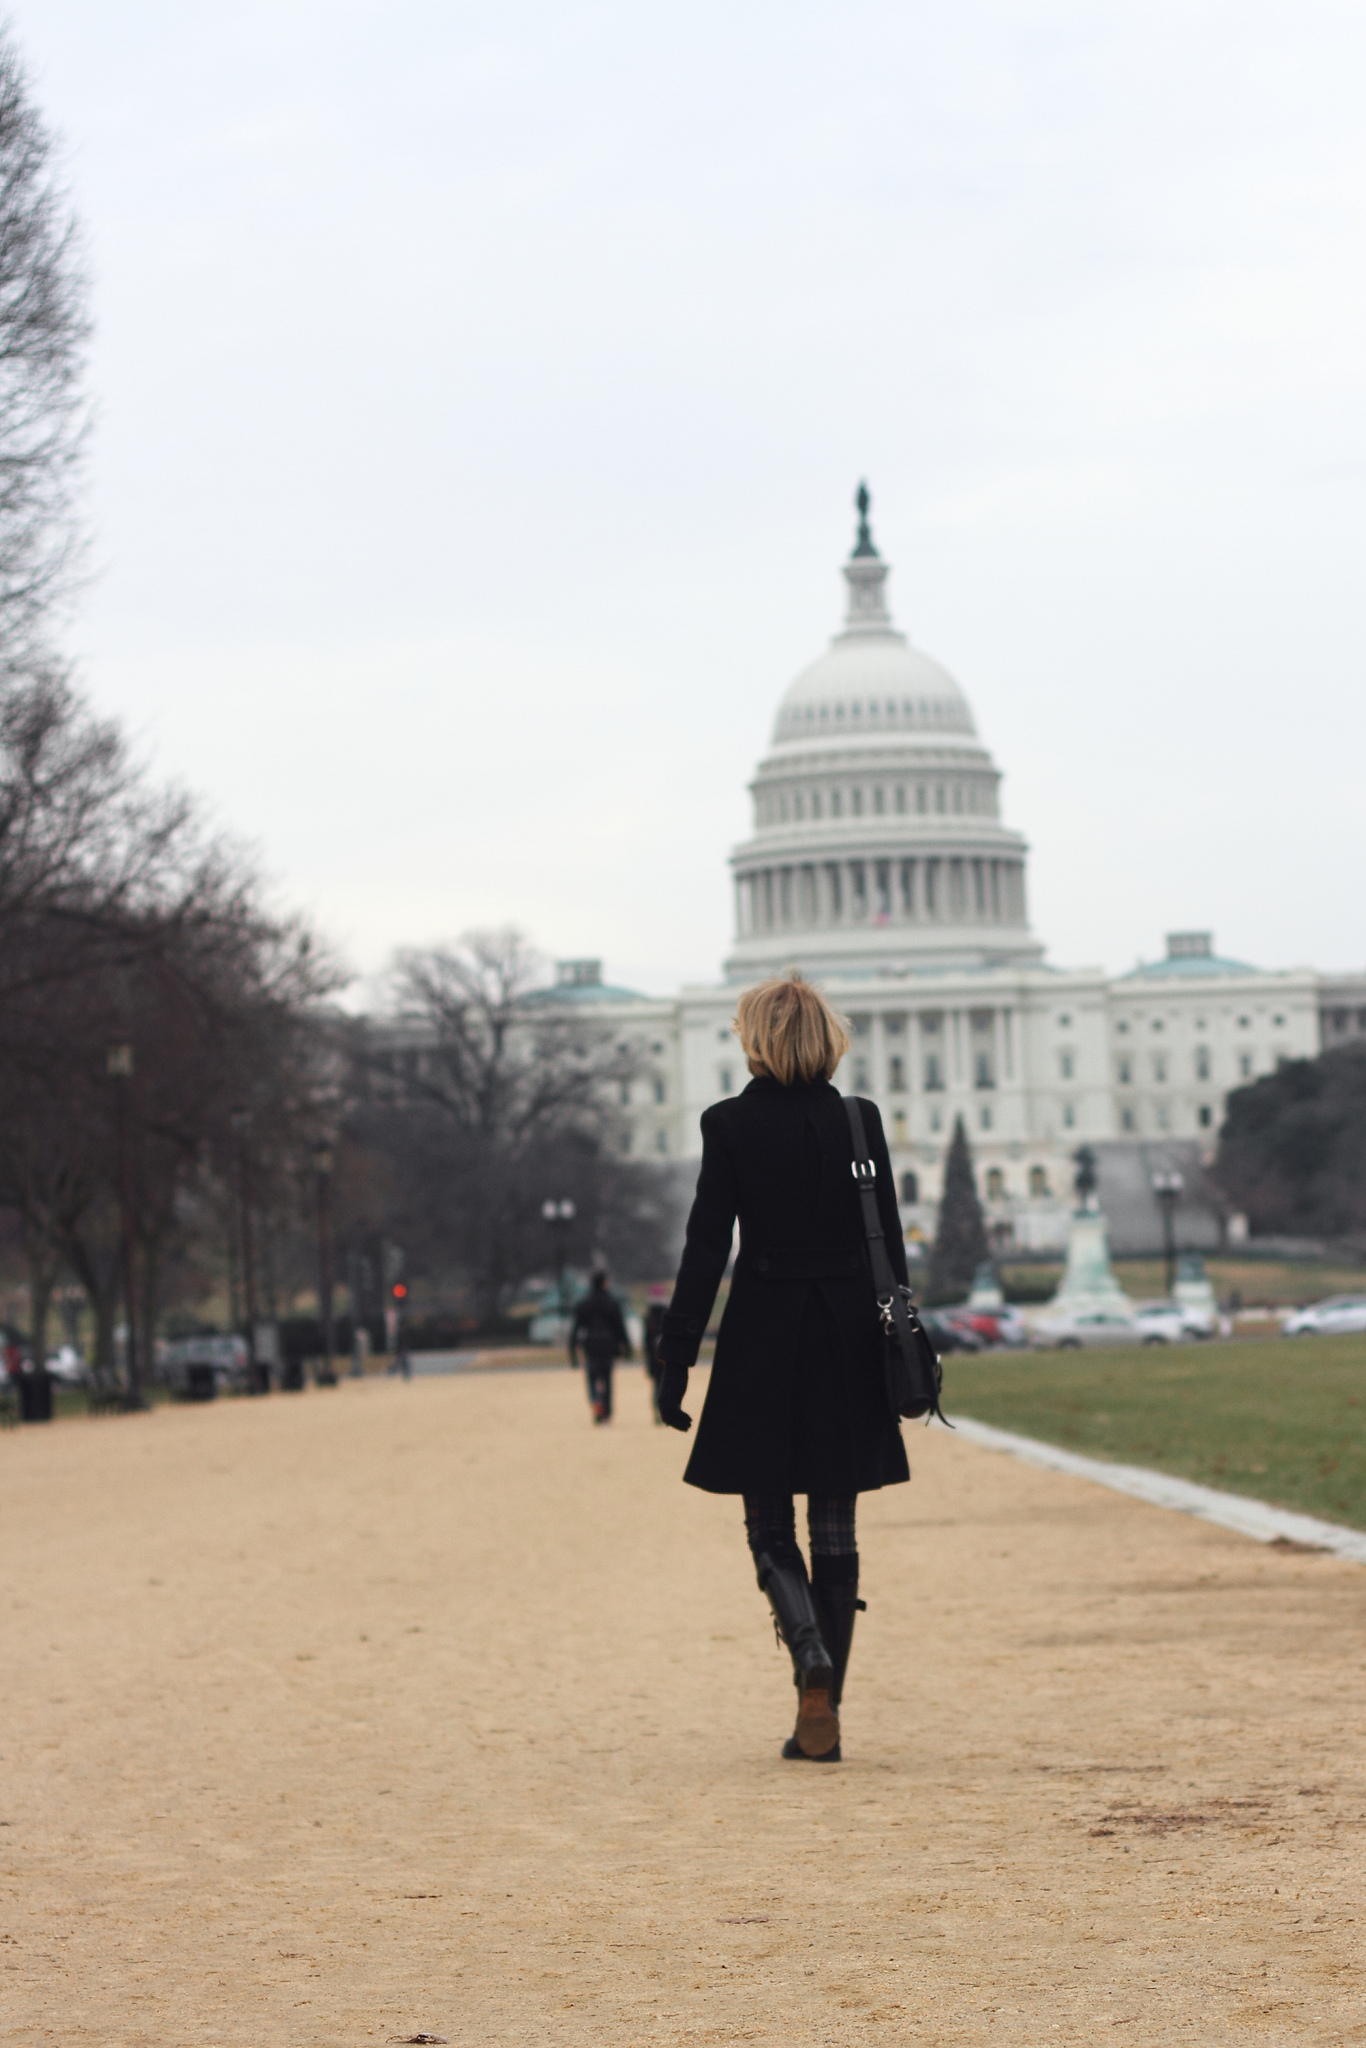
993 1325
197 1368
949 1336
1173 1321
1099 1326
1340 1315
67 1365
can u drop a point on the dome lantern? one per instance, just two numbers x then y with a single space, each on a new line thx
866 574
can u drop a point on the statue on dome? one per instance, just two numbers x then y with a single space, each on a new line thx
864 544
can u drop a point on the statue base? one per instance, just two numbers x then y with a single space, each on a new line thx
1089 1283
986 1288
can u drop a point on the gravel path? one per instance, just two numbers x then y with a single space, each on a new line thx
403 1710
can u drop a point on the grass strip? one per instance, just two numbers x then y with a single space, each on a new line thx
1278 1419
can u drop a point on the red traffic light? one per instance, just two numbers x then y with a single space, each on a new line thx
400 1292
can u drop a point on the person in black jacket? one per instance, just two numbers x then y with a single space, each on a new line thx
798 1400
597 1326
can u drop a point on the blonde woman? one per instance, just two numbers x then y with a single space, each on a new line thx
798 1400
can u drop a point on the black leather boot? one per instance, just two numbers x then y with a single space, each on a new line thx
834 1593
794 1610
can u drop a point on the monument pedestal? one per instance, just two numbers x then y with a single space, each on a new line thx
986 1289
1089 1283
1193 1287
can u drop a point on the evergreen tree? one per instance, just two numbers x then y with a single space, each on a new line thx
960 1244
1292 1153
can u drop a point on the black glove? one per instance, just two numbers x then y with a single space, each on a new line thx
673 1385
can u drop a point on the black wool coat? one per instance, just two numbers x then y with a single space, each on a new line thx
798 1400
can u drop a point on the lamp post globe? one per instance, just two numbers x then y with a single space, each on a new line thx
558 1214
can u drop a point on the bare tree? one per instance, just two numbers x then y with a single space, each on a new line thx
43 329
506 1098
507 1065
214 998
119 921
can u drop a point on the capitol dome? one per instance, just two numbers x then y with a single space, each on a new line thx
877 844
871 683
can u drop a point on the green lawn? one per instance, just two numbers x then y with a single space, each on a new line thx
1258 1282
1280 1418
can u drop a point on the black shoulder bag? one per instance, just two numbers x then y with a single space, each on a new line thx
915 1378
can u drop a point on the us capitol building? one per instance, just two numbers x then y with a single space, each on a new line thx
879 863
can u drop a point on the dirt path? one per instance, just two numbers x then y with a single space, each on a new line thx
429 1709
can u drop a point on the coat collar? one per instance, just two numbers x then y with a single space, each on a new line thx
764 1084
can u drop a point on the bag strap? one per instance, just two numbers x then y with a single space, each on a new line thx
896 1311
865 1178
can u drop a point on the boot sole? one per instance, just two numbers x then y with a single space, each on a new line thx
793 1753
818 1725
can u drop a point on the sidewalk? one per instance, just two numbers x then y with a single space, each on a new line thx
429 1708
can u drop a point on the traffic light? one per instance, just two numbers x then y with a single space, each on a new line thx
399 1291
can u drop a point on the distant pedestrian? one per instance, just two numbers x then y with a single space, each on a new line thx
652 1332
597 1326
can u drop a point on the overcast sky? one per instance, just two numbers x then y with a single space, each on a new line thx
481 394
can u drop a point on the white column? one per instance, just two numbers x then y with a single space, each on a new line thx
807 886
907 880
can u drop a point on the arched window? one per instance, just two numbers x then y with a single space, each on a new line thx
1038 1181
910 1188
996 1184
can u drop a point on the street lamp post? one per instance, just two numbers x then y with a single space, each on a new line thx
559 1219
323 1164
241 1124
119 1066
1167 1187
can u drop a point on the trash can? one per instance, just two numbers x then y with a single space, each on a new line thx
201 1382
35 1395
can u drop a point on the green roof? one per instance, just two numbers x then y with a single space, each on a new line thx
583 994
1189 967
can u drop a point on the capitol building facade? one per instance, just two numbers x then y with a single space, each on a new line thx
879 864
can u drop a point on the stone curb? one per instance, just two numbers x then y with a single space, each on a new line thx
1230 1510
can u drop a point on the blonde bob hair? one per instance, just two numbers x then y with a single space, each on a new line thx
789 1032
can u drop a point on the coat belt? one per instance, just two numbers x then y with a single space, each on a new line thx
805 1262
